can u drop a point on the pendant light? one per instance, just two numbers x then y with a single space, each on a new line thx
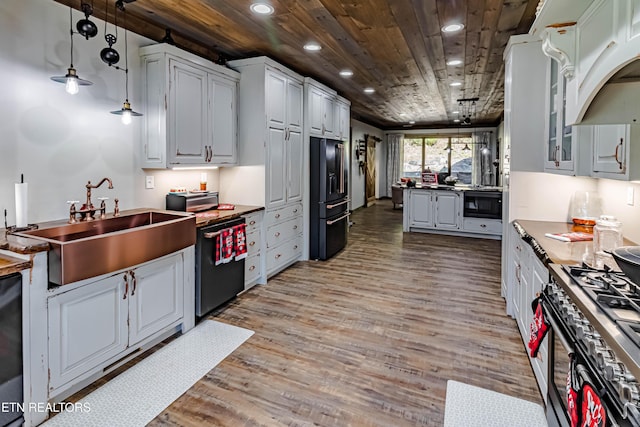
126 111
71 79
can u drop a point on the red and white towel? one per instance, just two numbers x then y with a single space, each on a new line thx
240 233
231 244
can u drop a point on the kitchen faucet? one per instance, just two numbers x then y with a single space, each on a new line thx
88 210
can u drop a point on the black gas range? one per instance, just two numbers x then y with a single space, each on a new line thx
595 319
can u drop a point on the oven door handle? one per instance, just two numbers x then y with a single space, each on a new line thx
347 200
556 329
212 235
338 219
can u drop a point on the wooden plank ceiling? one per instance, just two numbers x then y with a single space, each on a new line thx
394 46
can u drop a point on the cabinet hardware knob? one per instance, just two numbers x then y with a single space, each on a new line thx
483 225
277 215
295 227
278 256
253 267
252 223
295 211
295 247
277 234
252 243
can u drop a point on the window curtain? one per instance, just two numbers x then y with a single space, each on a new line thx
394 144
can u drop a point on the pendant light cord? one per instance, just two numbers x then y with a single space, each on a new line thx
126 59
71 34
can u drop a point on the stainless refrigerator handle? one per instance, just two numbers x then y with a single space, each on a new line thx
341 168
347 200
339 219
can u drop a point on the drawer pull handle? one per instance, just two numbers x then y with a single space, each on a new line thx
483 225
277 216
252 243
278 234
252 223
278 256
253 267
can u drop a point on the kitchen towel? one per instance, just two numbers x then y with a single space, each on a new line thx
240 239
225 245
22 191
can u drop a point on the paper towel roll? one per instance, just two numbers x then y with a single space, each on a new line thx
21 204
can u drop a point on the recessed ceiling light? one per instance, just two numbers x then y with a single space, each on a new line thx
454 62
402 114
261 8
312 46
346 73
456 120
455 84
452 28
412 122
369 90
455 112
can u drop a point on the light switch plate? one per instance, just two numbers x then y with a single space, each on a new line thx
630 196
149 182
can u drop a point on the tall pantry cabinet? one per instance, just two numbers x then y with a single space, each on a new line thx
271 154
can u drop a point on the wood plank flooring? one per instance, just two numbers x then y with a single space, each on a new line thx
368 338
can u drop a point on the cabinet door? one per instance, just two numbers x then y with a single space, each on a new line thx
156 297
223 120
421 213
188 117
294 106
276 168
316 119
610 148
294 166
87 327
447 211
328 115
276 100
344 123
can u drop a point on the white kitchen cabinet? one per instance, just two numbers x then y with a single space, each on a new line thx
99 321
253 267
271 147
448 206
527 278
432 210
320 104
343 118
420 208
615 149
559 147
190 109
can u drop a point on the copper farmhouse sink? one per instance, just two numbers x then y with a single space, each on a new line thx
88 249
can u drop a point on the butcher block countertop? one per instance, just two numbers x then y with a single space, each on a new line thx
21 245
215 216
552 250
9 265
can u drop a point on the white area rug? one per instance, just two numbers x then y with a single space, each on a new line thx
139 394
470 406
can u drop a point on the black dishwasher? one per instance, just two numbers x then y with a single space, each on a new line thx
215 284
11 347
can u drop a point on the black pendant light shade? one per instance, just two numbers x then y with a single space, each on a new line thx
71 79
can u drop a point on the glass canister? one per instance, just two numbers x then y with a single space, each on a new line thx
607 235
585 208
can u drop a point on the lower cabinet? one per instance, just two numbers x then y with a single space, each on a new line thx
98 322
253 267
283 228
527 278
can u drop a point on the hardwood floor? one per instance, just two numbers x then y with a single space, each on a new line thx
368 338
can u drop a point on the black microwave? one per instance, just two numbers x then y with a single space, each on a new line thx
483 204
192 202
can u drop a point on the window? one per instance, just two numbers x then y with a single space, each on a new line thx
446 155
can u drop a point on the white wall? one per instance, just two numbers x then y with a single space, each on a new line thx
61 141
614 197
356 186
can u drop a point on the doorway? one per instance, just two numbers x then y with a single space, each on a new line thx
370 170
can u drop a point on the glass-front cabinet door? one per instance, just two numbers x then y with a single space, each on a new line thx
559 149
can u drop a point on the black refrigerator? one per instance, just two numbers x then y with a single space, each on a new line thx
329 203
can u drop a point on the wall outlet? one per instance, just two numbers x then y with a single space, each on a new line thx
630 196
149 182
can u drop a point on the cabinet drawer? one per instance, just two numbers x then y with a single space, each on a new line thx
251 268
283 254
253 221
485 226
253 242
276 234
282 214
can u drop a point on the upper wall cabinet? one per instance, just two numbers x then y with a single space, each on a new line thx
591 40
342 118
320 109
190 109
